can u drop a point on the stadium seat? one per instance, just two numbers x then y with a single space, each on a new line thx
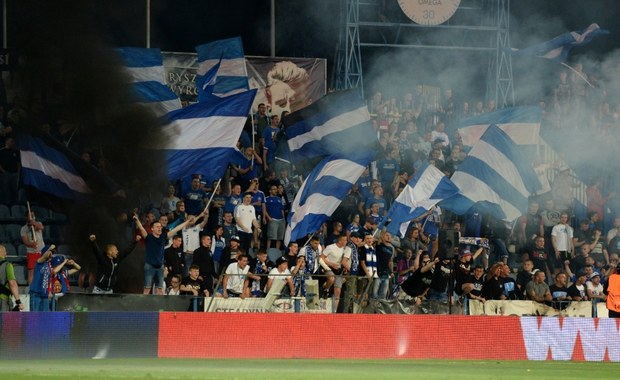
10 249
42 213
53 234
13 233
3 237
22 197
18 213
5 214
20 274
13 256
22 251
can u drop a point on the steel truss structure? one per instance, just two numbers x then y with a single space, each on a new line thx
477 26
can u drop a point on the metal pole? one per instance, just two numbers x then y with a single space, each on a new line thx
4 26
273 27
148 23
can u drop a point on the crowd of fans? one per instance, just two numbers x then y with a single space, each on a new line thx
219 238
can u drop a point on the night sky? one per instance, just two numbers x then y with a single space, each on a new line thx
305 28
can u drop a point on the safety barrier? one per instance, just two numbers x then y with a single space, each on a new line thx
287 335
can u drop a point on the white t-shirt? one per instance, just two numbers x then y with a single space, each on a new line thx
191 238
596 290
236 277
245 214
275 274
38 234
334 254
563 235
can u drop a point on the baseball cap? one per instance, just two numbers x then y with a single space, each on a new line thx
281 260
595 274
57 260
234 237
465 252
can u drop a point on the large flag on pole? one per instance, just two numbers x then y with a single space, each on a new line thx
558 48
203 136
221 68
428 187
521 124
322 191
146 72
338 122
49 170
494 173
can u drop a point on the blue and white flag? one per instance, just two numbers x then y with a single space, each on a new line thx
428 187
322 191
203 136
338 122
48 170
522 124
495 173
558 48
146 72
221 68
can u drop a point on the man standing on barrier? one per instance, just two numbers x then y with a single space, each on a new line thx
107 264
155 243
612 290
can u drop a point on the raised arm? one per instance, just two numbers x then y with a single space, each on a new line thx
178 228
139 225
75 267
125 252
46 255
477 253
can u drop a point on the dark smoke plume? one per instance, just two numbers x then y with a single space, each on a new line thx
69 79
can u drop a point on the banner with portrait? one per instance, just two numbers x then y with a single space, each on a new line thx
284 84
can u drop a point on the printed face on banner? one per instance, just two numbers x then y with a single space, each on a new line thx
284 84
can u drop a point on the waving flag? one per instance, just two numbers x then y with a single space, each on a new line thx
221 68
322 191
521 124
204 136
558 48
49 170
495 174
428 187
146 71
338 122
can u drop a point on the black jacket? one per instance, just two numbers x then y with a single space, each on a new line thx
107 268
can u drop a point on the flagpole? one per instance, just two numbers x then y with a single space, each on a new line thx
34 235
217 185
253 139
4 26
576 72
273 28
148 23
